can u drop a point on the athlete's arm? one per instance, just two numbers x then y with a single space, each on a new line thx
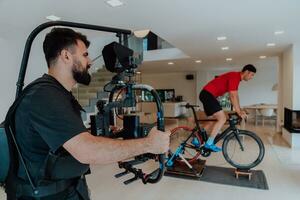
234 98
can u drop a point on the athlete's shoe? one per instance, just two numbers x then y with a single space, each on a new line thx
195 142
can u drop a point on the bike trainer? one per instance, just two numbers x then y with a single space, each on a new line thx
188 171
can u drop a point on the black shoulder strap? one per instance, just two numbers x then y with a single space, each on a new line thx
10 114
17 101
15 152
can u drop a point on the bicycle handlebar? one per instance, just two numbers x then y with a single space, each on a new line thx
234 118
233 115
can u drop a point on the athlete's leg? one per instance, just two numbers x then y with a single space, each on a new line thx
221 119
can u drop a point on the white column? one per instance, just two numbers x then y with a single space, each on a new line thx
290 88
280 109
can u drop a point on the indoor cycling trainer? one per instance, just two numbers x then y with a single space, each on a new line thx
241 148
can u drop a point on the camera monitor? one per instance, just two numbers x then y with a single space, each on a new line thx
117 57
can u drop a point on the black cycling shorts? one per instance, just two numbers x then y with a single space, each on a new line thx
210 103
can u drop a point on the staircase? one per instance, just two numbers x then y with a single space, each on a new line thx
88 96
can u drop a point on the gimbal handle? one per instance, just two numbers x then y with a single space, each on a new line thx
157 174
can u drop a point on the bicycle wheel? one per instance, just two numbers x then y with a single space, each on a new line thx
250 156
178 136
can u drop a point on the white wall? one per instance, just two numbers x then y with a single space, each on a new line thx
287 76
280 110
296 79
257 90
290 77
10 54
186 88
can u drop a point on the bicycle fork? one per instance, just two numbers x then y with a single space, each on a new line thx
236 135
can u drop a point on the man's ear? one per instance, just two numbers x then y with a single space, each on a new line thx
66 56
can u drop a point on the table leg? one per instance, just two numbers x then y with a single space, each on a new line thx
256 116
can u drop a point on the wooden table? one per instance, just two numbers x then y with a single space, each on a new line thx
259 107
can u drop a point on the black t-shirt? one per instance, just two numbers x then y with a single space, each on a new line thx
47 117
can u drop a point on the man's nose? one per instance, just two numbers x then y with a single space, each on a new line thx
90 62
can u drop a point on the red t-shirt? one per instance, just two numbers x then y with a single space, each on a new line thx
224 83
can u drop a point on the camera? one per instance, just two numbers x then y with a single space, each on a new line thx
118 58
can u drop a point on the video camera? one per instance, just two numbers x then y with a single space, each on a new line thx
121 60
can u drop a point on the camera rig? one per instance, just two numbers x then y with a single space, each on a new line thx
119 59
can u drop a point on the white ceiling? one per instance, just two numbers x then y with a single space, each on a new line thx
190 25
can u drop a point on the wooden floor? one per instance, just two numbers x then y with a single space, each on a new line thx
281 166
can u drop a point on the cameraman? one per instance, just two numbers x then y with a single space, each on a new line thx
56 146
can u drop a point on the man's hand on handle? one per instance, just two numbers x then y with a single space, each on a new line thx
158 141
242 114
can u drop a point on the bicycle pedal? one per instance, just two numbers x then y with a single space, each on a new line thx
205 152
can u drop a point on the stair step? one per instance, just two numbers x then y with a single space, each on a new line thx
96 83
87 95
84 102
107 73
101 79
90 89
87 90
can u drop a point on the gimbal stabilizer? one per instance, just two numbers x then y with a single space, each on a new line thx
119 59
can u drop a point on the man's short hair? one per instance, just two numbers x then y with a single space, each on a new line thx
249 68
58 39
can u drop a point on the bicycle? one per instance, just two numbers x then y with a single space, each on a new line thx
241 148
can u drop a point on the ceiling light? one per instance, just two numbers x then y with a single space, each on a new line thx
271 44
138 72
198 61
53 18
279 32
262 57
170 63
228 59
220 38
114 3
225 48
141 33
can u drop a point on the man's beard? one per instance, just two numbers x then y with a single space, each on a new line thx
82 77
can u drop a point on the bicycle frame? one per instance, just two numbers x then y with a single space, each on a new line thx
231 129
